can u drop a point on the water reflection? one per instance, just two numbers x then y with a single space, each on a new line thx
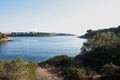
3 44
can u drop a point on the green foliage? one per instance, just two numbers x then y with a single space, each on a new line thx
90 33
111 70
106 40
30 34
17 70
2 35
75 74
2 70
99 57
37 34
59 61
105 49
31 70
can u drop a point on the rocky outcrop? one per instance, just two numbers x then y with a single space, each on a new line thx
6 39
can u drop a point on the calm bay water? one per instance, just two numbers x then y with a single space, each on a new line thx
40 48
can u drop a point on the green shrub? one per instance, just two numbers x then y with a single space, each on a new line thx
2 70
105 49
59 61
75 74
2 35
106 40
17 70
111 70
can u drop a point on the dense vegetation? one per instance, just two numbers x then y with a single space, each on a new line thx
29 34
37 34
2 35
101 62
90 33
105 49
98 60
17 70
59 61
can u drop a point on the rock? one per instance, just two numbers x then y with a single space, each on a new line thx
6 39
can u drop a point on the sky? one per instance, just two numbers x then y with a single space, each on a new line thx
67 16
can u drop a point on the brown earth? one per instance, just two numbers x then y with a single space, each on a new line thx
47 74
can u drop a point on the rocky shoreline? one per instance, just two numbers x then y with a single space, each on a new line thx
6 39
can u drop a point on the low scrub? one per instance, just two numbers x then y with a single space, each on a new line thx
59 61
75 74
17 70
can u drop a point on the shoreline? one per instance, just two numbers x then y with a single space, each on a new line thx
6 39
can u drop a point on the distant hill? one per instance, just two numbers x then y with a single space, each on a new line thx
90 33
37 34
64 34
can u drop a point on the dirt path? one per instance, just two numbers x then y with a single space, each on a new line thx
45 74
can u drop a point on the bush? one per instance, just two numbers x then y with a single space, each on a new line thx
2 35
111 70
2 70
105 49
106 40
17 70
59 61
75 74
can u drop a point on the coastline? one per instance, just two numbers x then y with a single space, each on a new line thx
6 39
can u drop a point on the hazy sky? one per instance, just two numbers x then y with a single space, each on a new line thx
70 16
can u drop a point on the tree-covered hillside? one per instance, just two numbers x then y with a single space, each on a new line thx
90 33
37 34
30 34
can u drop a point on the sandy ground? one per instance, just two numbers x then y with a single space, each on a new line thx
45 74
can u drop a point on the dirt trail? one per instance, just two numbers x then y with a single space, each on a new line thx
45 74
